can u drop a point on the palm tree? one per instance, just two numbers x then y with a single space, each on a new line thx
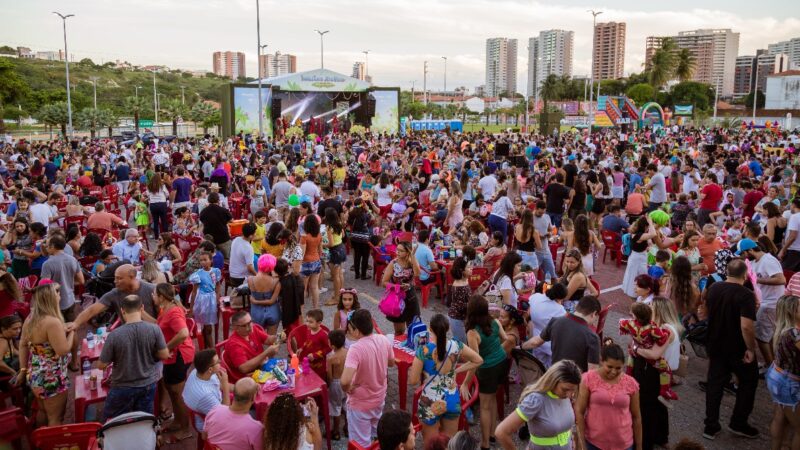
201 112
89 118
684 64
135 105
173 110
109 119
55 114
550 89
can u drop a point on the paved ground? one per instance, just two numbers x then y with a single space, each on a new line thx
686 419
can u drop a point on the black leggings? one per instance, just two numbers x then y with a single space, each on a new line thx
159 213
361 257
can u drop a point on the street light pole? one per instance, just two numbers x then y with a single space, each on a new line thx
755 91
445 74
66 64
94 90
716 100
258 70
136 91
183 98
425 83
322 48
155 97
366 64
591 74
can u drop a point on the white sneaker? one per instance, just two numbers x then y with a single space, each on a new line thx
323 290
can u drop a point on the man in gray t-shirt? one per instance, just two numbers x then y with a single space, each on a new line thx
64 270
136 350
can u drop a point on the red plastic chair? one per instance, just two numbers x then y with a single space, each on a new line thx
405 236
76 435
292 337
187 244
379 262
192 416
596 285
209 446
353 445
462 419
220 348
15 393
77 220
195 333
26 285
14 426
788 274
478 276
612 242
425 289
601 320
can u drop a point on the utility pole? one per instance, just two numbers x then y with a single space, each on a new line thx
136 91
322 48
155 97
366 64
94 90
445 74
413 82
716 99
755 91
258 70
425 83
66 64
591 74
183 98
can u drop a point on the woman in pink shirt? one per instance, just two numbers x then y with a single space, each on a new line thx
607 411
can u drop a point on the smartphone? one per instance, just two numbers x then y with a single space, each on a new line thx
305 411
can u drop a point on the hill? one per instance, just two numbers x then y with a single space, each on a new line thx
33 83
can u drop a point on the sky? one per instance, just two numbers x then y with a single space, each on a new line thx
400 35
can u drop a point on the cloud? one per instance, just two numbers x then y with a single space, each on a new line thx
400 35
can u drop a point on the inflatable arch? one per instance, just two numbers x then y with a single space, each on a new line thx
651 114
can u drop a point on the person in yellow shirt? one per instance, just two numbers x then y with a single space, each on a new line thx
261 232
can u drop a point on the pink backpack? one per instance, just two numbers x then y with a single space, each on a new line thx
393 302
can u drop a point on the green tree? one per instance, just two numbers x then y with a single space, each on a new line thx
89 118
55 114
13 87
684 64
700 95
214 120
14 113
135 105
202 112
108 119
641 93
760 102
6 50
612 87
660 68
173 110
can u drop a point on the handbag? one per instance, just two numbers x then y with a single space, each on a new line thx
683 368
393 303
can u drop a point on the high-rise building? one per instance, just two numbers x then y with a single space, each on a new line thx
359 70
229 64
714 52
768 64
608 55
791 48
501 66
549 53
276 65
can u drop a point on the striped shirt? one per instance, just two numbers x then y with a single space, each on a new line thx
201 395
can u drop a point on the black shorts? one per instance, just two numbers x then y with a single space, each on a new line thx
175 373
70 313
491 377
338 255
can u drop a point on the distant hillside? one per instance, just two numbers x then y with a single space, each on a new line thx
43 82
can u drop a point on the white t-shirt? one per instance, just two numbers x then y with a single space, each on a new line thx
42 212
503 284
794 225
542 310
384 196
766 267
241 256
659 188
310 189
673 351
502 207
487 185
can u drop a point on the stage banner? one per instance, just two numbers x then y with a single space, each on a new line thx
683 110
387 117
245 112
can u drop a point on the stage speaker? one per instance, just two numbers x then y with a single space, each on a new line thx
276 107
501 149
370 106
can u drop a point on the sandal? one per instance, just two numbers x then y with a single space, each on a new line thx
335 436
165 417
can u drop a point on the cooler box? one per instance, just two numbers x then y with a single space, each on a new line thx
235 227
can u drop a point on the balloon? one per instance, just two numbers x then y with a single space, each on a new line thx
293 200
305 198
659 217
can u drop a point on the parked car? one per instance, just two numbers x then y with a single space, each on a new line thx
147 138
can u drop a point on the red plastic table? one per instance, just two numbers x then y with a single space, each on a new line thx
92 354
308 385
444 266
403 357
85 396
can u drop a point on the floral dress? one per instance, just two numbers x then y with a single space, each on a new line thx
205 305
48 375
693 255
440 398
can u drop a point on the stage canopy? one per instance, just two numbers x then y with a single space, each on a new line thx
319 80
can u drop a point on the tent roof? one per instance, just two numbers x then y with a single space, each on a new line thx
318 80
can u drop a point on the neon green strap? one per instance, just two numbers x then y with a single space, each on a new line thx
561 439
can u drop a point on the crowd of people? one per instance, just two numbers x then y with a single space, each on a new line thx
157 239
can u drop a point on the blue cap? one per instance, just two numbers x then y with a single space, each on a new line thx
571 157
746 244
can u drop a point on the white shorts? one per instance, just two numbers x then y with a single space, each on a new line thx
617 191
765 323
362 426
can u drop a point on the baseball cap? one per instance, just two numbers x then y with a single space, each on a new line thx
746 244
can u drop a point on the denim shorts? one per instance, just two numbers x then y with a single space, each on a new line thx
310 268
338 255
121 400
784 388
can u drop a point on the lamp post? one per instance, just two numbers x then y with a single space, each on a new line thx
425 83
366 64
755 91
94 90
258 70
66 65
136 91
445 74
183 98
591 74
322 48
716 97
155 97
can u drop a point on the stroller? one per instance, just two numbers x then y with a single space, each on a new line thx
130 431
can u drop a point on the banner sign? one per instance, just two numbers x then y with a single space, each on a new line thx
683 110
